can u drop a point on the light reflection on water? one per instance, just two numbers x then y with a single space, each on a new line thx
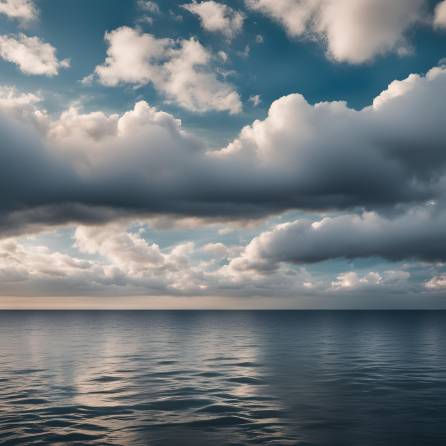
223 378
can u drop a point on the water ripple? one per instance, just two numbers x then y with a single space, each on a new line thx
199 378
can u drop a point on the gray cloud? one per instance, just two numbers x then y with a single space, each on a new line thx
418 234
96 167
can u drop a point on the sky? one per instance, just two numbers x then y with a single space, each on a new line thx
222 154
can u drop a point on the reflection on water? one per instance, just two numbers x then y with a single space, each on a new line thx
223 378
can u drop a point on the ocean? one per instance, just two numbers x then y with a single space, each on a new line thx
309 378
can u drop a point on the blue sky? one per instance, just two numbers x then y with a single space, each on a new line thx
276 67
171 201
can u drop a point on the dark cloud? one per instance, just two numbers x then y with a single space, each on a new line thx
419 234
95 167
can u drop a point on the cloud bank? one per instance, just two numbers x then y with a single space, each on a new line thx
327 156
113 260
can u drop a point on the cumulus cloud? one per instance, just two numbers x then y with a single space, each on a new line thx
355 31
31 54
132 257
113 259
24 269
180 70
440 15
23 10
331 153
96 167
126 264
217 17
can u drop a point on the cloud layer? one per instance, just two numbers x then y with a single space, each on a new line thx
325 156
114 260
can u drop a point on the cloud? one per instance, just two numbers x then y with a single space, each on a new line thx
23 267
180 70
129 253
355 31
255 100
11 98
330 154
95 167
440 15
353 281
149 6
217 17
23 10
437 283
112 260
418 234
115 260
31 55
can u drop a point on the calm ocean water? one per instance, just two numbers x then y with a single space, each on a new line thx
223 378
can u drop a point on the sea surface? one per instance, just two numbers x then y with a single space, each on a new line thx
223 378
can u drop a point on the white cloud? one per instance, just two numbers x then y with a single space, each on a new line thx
217 17
355 30
149 6
140 263
440 15
223 56
437 283
23 10
352 280
31 55
120 262
23 107
181 71
395 89
114 260
10 97
133 57
20 263
255 100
